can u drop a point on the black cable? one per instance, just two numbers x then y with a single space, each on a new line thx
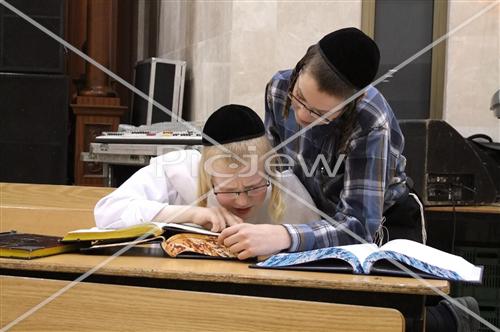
454 219
436 186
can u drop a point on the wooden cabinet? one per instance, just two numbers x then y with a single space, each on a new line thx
93 116
106 32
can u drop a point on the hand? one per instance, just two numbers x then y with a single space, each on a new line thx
249 240
215 218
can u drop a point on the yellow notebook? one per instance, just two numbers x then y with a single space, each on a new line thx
141 231
28 246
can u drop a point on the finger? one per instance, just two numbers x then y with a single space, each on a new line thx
201 218
227 217
225 214
231 219
227 233
214 219
236 220
245 254
221 220
217 223
205 223
237 247
233 239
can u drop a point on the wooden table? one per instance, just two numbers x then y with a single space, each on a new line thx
488 209
47 209
472 232
463 226
103 307
46 196
407 295
168 270
58 209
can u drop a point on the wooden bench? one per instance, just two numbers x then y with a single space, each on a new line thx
102 307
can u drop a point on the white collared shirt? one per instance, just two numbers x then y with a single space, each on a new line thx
172 179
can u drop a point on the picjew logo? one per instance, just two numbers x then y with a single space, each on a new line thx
226 165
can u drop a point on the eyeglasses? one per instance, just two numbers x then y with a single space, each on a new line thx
252 192
313 114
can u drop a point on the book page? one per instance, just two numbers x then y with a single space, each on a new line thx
195 243
185 226
361 251
126 243
188 227
93 230
144 226
455 267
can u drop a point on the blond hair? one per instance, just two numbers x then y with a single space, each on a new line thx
241 150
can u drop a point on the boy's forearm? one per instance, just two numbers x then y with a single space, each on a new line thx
175 214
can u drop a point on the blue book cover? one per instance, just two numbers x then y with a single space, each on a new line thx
423 260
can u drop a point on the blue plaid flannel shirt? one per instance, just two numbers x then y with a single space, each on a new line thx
373 177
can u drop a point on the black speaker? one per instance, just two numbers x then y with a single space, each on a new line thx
33 122
23 47
163 81
445 167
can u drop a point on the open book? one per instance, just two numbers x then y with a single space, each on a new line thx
177 240
367 258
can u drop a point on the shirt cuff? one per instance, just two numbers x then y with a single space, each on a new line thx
302 236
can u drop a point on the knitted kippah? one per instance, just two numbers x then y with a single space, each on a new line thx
232 123
352 55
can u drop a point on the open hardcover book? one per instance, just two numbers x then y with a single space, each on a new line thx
367 258
177 240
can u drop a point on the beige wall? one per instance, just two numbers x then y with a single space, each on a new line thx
473 69
141 30
234 47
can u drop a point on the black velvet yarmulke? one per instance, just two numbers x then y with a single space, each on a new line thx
232 123
352 55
